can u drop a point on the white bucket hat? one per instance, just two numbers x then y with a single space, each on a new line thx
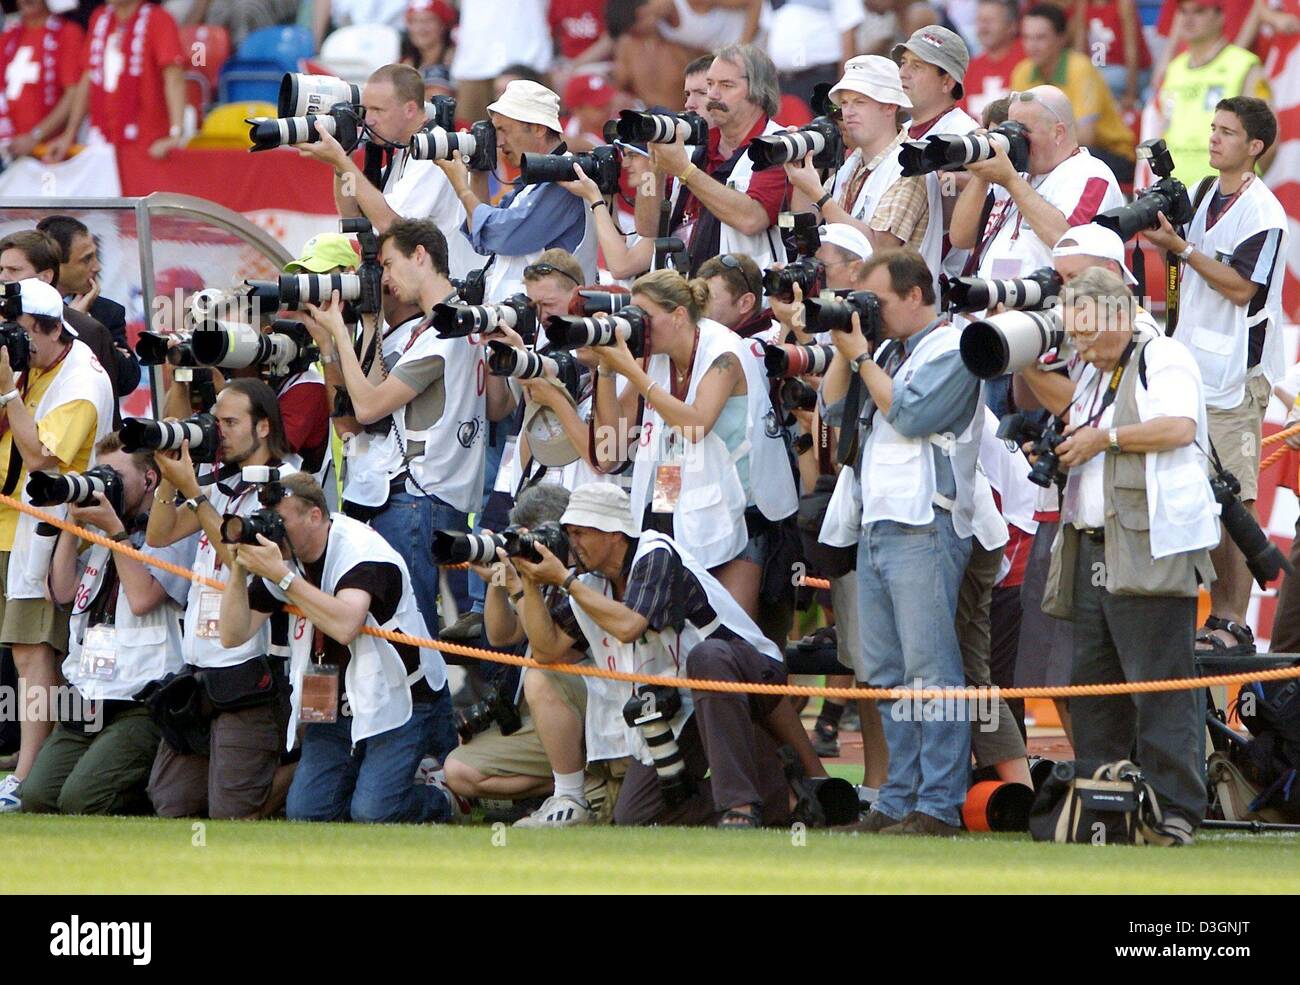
529 102
601 506
874 76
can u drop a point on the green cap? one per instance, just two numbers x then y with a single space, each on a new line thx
324 252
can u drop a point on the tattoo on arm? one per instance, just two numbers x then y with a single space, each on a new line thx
725 363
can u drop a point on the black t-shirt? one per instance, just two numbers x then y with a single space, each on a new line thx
382 580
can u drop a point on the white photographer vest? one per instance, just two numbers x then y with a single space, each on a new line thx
452 460
956 120
764 248
506 274
664 654
148 647
371 461
1216 331
898 481
377 683
877 183
79 378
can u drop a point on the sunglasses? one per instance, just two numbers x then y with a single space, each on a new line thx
731 263
1029 97
545 270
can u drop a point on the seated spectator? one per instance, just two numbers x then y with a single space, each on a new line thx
124 634
997 27
1049 61
40 66
240 18
426 43
132 92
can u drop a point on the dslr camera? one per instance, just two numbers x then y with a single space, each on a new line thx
456 547
1036 291
478 145
635 127
497 707
821 138
1010 341
788 360
952 151
800 233
1168 195
652 710
601 164
78 488
835 313
236 529
1263 558
201 431
1045 440
457 321
13 337
471 288
575 332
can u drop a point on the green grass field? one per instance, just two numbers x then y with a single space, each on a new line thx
148 855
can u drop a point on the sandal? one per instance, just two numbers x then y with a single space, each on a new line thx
1216 647
737 819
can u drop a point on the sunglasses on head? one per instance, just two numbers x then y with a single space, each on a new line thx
1030 97
731 263
545 270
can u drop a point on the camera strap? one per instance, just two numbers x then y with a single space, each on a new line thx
1174 266
1112 388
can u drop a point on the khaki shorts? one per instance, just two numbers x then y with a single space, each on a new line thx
30 621
521 753
1236 435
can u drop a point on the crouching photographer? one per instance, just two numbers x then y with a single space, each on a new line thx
371 708
644 605
125 632
1138 507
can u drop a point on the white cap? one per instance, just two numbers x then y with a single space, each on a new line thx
39 298
529 102
1093 240
874 76
848 238
547 440
601 506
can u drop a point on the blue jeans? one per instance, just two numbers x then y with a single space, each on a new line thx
372 782
408 523
477 586
908 578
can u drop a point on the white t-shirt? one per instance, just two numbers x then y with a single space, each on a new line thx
494 34
801 35
420 190
1172 390
390 12
1080 187
708 31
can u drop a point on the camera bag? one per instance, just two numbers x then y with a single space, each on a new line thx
248 685
822 559
1109 805
176 706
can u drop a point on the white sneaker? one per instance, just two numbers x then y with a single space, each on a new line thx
428 766
460 806
558 812
11 799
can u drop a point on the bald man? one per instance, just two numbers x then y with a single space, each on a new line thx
1066 186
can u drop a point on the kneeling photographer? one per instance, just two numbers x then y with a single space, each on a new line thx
371 709
125 633
1137 506
644 605
224 762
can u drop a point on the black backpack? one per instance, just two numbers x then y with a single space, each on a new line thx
1271 760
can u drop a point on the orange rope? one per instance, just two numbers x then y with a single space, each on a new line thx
889 694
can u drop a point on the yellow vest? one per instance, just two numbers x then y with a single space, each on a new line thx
1187 99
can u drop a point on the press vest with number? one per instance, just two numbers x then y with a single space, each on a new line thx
377 682
1219 333
371 461
898 474
710 516
80 377
664 654
207 651
506 274
148 647
764 248
448 458
1155 544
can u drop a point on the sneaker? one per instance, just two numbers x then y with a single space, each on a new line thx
428 766
465 629
826 740
460 806
849 721
11 800
918 823
558 812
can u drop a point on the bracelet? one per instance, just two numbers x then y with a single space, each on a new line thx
599 201
653 384
7 398
687 172
564 585
609 374
821 202
120 536
517 596
329 360
1186 254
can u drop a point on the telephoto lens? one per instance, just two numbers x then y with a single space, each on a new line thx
521 364
601 165
796 360
952 152
591 302
1035 291
302 94
798 395
77 488
458 321
454 547
342 123
1010 341
821 138
201 431
572 332
635 127
294 291
231 345
236 529
478 146
652 709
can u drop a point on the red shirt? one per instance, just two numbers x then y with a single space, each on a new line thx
768 188
1105 27
306 413
162 47
576 25
989 78
23 76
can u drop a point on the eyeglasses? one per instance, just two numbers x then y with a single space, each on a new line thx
731 263
1030 97
545 270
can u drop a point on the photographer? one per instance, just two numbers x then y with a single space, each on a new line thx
1138 507
236 772
371 709
440 398
535 217
1065 186
644 604
918 402
568 744
51 415
736 295
1229 315
393 99
867 192
720 203
125 632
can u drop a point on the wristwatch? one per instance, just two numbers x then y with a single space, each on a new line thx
284 583
564 585
857 361
821 202
194 502
326 360
1187 252
1113 446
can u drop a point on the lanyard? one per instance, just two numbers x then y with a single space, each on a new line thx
1112 388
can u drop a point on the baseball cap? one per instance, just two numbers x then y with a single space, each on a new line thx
846 237
439 76
40 298
444 11
875 76
940 47
547 440
529 102
588 90
324 252
601 506
1094 241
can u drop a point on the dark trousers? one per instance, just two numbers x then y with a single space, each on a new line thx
1285 637
724 738
1138 638
1004 625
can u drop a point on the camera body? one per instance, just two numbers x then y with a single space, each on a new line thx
797 395
78 488
820 137
636 127
13 337
1167 195
652 709
236 529
497 707
343 122
601 164
471 288
835 313
524 544
1033 292
1044 440
478 145
953 151
457 321
201 431
575 332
